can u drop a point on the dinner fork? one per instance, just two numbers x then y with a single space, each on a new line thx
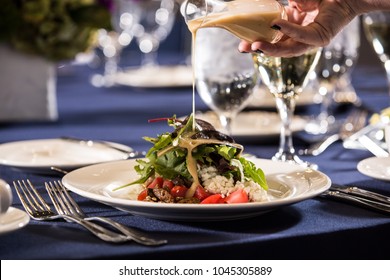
65 204
38 209
353 123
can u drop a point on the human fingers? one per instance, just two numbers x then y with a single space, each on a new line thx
314 33
304 5
287 48
244 47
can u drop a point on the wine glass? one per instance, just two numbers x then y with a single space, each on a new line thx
336 61
111 42
377 30
225 78
155 24
285 79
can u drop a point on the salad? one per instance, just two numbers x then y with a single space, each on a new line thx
197 164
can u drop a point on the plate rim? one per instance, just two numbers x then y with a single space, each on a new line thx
364 171
21 222
301 119
123 203
43 167
120 77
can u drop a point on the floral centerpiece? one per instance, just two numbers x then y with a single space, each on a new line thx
34 36
53 29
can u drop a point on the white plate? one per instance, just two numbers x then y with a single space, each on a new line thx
12 220
39 155
375 167
254 124
156 76
291 182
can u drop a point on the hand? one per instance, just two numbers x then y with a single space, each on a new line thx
311 23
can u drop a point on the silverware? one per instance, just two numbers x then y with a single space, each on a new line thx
65 204
354 122
129 153
362 193
361 137
359 197
37 208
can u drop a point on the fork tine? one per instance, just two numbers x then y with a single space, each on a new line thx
22 197
62 200
69 198
38 209
30 197
38 199
58 203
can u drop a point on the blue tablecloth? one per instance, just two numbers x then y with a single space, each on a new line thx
312 229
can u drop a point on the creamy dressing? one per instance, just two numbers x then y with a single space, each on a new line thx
247 19
250 20
186 142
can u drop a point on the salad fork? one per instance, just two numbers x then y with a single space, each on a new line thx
38 209
65 204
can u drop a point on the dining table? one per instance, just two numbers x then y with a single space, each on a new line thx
316 228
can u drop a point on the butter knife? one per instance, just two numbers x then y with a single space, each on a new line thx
361 193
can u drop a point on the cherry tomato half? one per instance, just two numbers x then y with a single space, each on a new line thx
142 195
156 183
212 199
168 184
201 193
178 191
238 196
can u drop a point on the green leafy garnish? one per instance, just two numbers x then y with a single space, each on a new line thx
167 159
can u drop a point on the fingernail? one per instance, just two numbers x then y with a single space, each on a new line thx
258 51
276 27
242 51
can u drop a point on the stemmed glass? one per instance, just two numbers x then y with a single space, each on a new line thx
225 78
336 61
286 78
156 21
124 17
377 29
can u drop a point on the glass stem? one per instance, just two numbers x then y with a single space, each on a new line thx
111 66
226 123
149 59
387 68
324 118
286 108
326 102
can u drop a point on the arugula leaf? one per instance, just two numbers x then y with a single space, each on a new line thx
227 152
253 173
145 169
172 165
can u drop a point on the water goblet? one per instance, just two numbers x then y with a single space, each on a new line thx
225 78
286 79
157 18
377 30
123 17
336 61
